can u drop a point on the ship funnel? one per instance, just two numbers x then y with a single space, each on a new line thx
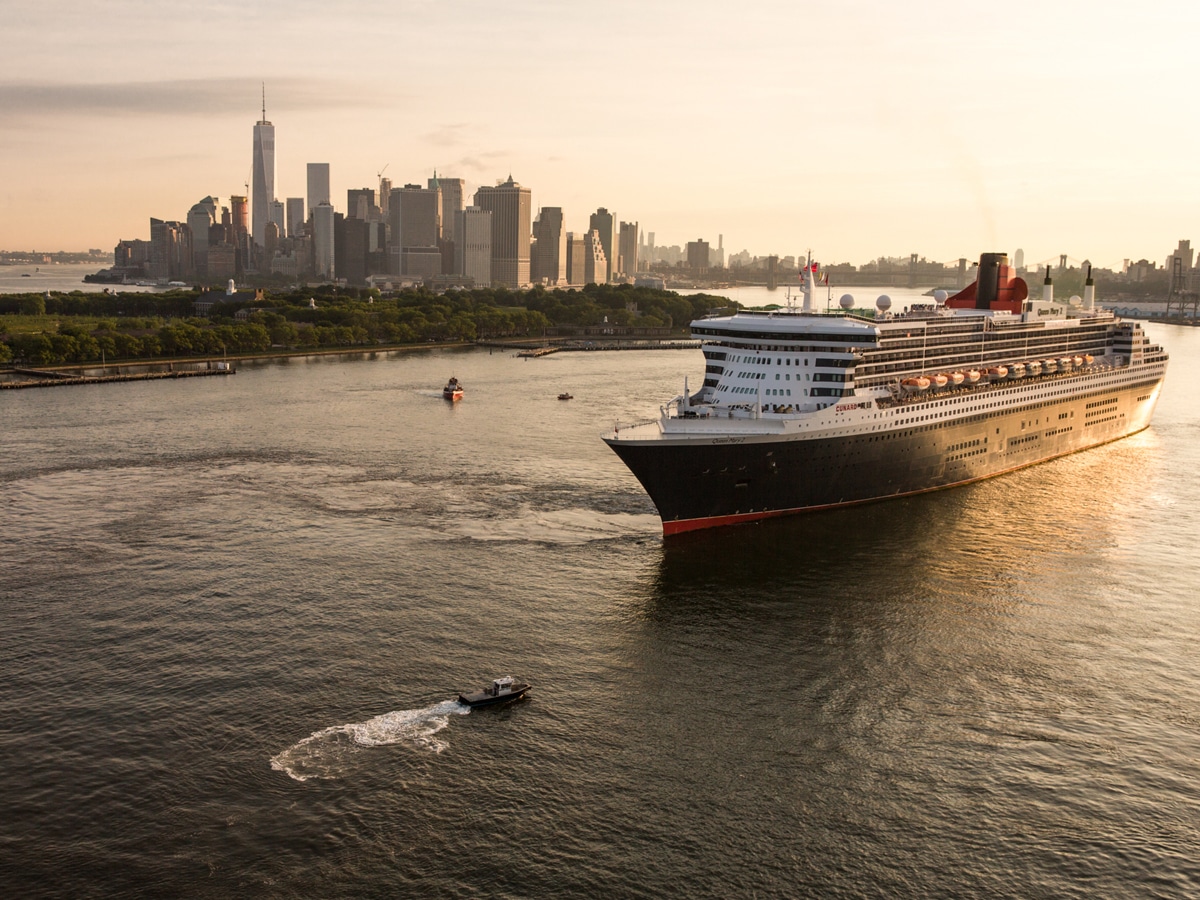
987 285
1089 292
1048 287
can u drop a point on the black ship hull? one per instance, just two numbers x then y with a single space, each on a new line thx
702 483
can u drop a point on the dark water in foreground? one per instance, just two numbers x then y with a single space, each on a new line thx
234 613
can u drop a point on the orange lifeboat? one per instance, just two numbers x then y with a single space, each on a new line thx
1049 366
1088 359
915 385
998 372
1033 368
956 378
973 376
939 380
1078 361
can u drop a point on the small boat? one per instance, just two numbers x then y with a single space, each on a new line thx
565 396
973 376
1034 368
915 385
939 380
453 390
1016 370
1049 366
957 378
501 690
998 372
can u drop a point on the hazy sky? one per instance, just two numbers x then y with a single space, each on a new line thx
857 128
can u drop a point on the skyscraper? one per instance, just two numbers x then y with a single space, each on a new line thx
628 249
323 240
594 262
241 217
263 174
452 204
296 216
318 185
414 214
473 257
200 219
360 204
548 257
605 224
576 271
510 205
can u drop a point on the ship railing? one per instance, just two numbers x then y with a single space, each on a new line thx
635 424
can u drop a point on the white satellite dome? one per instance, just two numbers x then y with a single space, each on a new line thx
939 297
847 301
884 303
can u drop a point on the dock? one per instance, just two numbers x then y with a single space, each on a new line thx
36 378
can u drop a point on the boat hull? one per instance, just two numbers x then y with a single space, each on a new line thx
703 482
483 698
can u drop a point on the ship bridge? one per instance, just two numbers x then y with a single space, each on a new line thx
782 362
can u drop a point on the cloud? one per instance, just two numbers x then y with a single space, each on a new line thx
195 97
482 162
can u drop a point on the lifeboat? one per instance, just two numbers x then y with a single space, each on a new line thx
956 378
999 372
915 385
1033 368
1049 366
973 376
1088 359
1077 360
1065 364
939 380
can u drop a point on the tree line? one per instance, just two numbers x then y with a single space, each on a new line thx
37 329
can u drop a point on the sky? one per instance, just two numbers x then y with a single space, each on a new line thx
855 129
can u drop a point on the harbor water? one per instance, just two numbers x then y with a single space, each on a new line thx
236 613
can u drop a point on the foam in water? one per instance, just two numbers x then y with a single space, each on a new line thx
324 754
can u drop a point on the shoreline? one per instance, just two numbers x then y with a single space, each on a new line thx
118 371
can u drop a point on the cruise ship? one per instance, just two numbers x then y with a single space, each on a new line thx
803 410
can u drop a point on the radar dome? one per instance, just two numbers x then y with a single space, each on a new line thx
847 301
1076 300
939 297
884 303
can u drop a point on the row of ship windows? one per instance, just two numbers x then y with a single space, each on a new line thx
820 362
918 337
786 392
787 376
857 338
1108 401
1100 421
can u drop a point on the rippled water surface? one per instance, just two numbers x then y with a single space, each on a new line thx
236 613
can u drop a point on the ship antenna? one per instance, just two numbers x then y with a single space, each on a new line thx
264 89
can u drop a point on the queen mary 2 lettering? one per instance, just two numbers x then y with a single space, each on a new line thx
802 410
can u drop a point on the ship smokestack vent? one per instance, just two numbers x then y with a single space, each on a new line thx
988 283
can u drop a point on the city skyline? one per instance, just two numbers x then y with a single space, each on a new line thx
859 132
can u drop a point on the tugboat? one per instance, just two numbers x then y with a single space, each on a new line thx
565 396
502 690
453 390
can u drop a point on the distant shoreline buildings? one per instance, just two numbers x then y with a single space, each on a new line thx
398 236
